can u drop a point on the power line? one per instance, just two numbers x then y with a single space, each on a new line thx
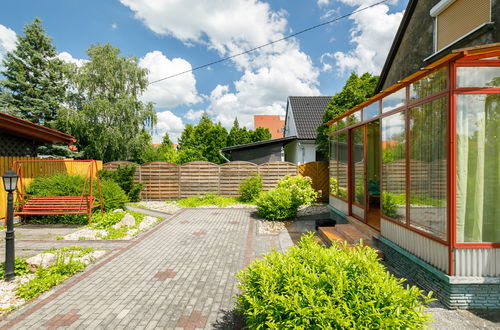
269 43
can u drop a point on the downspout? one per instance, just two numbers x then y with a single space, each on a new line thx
222 155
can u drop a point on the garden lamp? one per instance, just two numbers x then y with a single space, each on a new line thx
9 184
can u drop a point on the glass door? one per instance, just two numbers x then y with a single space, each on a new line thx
373 162
358 173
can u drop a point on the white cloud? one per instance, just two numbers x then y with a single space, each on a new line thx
170 92
68 58
372 34
168 123
7 41
323 2
325 59
193 114
114 26
269 75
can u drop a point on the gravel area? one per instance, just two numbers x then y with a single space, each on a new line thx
271 227
306 210
8 298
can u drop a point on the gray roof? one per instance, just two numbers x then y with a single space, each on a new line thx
283 140
308 114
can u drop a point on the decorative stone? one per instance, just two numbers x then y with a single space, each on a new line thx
147 222
43 260
128 220
117 210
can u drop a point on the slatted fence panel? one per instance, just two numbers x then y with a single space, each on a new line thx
161 181
231 175
273 171
199 178
318 172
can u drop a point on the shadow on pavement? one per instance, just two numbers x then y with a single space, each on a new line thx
230 320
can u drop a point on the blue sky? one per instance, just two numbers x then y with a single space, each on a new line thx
169 36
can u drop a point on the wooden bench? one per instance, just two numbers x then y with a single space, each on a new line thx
58 205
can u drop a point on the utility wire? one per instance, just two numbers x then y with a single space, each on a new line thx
269 43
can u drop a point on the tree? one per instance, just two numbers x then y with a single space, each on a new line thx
106 116
238 135
35 77
185 136
356 90
261 134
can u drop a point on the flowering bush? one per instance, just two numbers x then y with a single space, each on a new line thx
301 189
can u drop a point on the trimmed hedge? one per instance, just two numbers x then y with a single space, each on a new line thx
311 287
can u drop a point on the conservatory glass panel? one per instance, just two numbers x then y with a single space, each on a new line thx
342 166
394 167
478 168
334 185
428 167
354 118
371 111
429 85
394 101
487 76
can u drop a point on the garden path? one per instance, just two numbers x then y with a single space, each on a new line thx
179 274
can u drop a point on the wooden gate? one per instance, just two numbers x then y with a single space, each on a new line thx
318 172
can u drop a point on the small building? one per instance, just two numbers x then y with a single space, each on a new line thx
20 138
272 122
304 114
260 152
419 162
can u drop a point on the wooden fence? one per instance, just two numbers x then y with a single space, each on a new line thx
33 170
167 181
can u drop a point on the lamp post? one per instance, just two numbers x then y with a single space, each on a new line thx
9 183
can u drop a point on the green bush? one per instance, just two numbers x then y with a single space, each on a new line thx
301 188
389 205
124 176
311 287
276 204
71 185
250 188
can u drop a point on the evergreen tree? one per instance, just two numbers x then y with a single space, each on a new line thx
34 76
239 135
261 134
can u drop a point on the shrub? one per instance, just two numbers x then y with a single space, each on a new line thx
277 204
311 287
124 176
71 185
251 187
389 205
300 186
20 268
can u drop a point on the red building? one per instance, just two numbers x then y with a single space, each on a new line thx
272 122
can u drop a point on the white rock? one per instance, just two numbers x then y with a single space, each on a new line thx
43 260
128 220
86 233
117 210
88 258
147 222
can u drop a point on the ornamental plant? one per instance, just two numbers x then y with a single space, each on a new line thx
250 188
301 189
276 204
312 287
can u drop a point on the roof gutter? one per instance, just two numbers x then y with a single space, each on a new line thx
222 155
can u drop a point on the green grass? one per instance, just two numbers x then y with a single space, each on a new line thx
218 201
400 199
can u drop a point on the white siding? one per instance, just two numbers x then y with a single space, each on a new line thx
477 262
430 251
290 128
339 205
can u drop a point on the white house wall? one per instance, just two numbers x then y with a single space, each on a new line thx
290 128
477 262
291 154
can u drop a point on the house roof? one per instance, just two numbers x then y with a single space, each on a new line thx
31 130
283 141
308 114
395 44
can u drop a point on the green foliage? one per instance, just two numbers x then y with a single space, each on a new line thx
106 220
261 134
189 154
34 77
124 177
301 189
311 287
72 185
356 90
250 188
20 268
105 115
218 201
389 205
277 204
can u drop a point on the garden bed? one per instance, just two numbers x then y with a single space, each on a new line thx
40 273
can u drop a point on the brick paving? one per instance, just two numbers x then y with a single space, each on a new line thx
181 274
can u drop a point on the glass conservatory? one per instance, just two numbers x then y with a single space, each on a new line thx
420 163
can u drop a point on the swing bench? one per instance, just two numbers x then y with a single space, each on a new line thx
58 205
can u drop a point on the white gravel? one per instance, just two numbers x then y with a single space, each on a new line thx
169 208
8 298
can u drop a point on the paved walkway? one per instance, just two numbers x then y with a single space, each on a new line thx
178 275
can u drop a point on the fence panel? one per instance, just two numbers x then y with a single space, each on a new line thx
273 171
114 165
318 172
161 181
198 178
231 175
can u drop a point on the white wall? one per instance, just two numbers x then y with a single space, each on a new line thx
290 128
300 152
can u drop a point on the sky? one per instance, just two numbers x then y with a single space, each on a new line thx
171 36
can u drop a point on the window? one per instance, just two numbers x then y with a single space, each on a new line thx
354 118
371 111
342 165
428 167
487 76
394 167
429 85
456 18
478 168
333 165
394 100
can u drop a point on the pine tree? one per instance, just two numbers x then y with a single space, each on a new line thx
34 76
